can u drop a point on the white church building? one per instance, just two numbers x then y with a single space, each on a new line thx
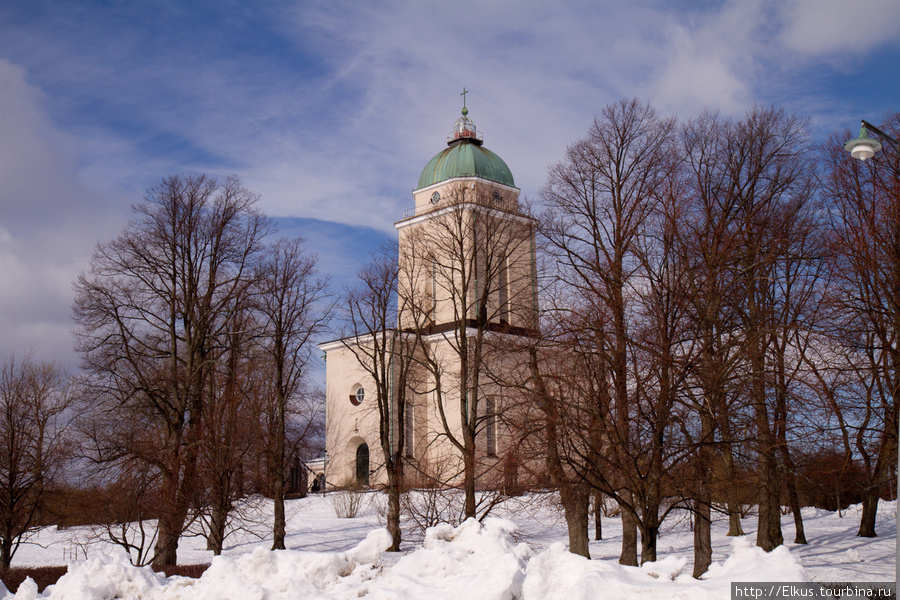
468 294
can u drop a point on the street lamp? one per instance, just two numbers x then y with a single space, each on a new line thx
864 148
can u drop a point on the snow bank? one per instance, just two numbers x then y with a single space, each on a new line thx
473 561
105 577
288 574
261 574
557 575
751 563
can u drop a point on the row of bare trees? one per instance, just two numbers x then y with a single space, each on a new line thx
713 305
194 331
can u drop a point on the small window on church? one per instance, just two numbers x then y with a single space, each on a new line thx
358 395
491 429
410 428
504 290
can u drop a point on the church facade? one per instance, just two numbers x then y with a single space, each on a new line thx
466 295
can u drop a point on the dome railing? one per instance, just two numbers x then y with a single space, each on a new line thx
465 134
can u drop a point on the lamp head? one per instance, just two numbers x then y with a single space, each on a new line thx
862 147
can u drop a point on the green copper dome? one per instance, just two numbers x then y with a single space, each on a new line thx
465 157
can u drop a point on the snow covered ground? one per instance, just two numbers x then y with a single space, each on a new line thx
520 554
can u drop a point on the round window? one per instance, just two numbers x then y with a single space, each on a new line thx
435 197
358 395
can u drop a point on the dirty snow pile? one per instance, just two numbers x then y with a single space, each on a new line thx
473 561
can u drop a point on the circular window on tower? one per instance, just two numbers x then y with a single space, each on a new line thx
357 394
497 198
435 197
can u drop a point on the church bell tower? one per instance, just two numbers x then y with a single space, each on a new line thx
467 294
466 250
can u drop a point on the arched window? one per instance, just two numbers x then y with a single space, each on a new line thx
362 464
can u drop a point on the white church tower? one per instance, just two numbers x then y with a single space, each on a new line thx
467 290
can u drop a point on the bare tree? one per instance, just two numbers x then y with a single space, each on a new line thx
600 199
150 311
770 177
234 414
708 240
751 184
290 300
386 353
35 415
865 238
127 510
557 387
795 296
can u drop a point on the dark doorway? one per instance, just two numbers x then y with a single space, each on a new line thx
362 464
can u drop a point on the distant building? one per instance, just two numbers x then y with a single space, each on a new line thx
467 256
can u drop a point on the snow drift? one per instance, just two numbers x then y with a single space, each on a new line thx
474 561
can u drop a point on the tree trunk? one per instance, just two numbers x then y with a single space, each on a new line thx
165 552
702 535
649 534
885 460
176 494
5 552
393 514
793 496
469 479
218 521
394 468
576 501
869 511
703 500
575 498
734 514
735 528
629 533
781 398
768 534
279 525
598 513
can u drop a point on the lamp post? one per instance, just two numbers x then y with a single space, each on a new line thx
864 148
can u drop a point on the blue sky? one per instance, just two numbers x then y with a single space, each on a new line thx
330 109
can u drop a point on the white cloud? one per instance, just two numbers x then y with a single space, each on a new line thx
697 76
710 59
828 27
49 222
